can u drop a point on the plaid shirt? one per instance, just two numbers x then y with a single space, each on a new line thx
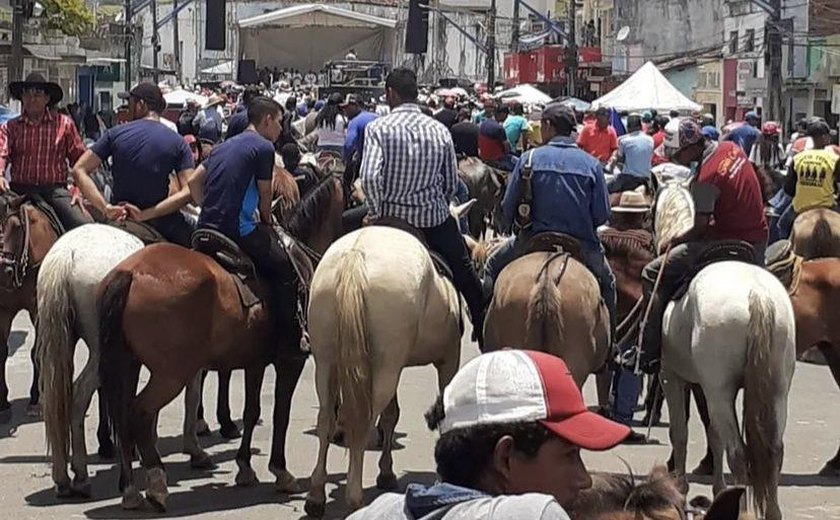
39 152
409 170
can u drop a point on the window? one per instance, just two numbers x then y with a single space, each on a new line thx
733 42
749 44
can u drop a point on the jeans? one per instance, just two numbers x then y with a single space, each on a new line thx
175 228
624 182
272 262
56 195
626 387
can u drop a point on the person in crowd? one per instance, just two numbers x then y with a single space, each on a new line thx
711 133
635 153
797 137
92 127
599 140
406 148
305 178
569 196
647 121
289 118
493 146
447 115
517 128
144 155
40 146
812 180
310 123
465 135
746 134
239 120
767 152
354 142
707 119
331 126
186 118
674 114
351 55
233 186
728 206
512 425
209 120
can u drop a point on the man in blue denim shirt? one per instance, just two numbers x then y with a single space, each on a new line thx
569 196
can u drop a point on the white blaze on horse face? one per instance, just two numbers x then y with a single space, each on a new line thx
674 211
461 210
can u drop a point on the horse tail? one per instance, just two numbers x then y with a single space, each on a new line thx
761 425
822 239
543 325
116 359
54 349
355 380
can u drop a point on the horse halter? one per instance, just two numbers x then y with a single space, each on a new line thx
18 264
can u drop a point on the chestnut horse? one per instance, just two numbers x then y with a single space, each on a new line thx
816 234
207 328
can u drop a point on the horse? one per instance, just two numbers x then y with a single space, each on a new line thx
816 234
814 288
725 340
486 185
28 233
209 327
67 282
377 306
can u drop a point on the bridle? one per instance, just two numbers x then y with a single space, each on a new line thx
18 262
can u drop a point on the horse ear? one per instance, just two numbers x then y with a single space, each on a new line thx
462 209
727 505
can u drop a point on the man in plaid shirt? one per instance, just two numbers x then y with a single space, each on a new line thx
409 171
39 146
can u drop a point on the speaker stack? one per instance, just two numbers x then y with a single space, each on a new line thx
417 30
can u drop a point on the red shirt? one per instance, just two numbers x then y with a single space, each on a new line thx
40 153
739 210
598 143
658 138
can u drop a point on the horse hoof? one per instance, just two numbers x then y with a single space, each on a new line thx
33 411
106 451
201 461
202 429
81 488
157 500
313 508
230 431
63 490
386 482
156 492
246 477
286 483
831 470
131 499
705 468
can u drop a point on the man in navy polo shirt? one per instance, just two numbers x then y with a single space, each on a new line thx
233 187
144 154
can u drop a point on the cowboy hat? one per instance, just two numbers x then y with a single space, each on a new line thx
631 202
215 99
36 81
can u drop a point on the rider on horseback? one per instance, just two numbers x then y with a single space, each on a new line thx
38 146
232 186
728 206
145 153
569 197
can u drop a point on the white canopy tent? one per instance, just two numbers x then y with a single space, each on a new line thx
180 97
525 94
646 89
306 36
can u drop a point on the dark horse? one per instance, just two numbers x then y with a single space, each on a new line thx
208 328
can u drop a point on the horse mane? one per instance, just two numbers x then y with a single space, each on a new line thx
307 215
619 497
674 212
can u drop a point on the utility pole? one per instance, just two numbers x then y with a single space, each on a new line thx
16 63
491 48
155 45
514 34
773 63
571 50
176 42
129 35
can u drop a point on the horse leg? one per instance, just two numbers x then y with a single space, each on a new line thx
103 431
326 387
33 409
288 374
5 328
832 357
253 384
603 381
653 401
726 436
707 465
198 457
201 427
158 392
83 390
227 428
388 422
131 498
674 389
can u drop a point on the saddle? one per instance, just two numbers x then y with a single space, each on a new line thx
232 259
38 202
146 233
722 251
784 264
552 242
438 261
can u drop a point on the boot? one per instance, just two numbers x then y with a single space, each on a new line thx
652 336
288 327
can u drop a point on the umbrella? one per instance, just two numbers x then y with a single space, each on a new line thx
574 103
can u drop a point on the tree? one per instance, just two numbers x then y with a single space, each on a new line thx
72 17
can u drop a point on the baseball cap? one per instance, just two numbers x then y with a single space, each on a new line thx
515 386
817 127
751 115
351 99
148 93
682 132
770 128
555 113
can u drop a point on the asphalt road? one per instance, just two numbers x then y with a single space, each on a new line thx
26 492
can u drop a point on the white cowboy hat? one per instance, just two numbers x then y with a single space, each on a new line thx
631 202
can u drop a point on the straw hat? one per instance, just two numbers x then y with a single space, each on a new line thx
632 202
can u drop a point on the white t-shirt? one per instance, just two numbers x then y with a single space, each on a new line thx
169 124
530 506
333 136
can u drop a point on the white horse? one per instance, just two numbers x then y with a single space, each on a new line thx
377 306
67 285
733 329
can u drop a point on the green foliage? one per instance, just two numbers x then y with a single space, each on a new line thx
72 17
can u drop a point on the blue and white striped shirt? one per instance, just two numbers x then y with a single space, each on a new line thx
409 170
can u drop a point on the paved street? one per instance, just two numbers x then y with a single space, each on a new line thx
26 488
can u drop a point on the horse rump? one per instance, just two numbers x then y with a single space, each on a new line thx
544 323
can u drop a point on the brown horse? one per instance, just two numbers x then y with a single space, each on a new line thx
486 185
208 328
816 234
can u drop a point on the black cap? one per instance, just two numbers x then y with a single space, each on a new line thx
352 99
602 111
555 113
335 98
817 127
149 93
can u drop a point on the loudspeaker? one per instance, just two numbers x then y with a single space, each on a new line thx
214 26
417 30
246 72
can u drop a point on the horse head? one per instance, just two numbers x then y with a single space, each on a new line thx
674 216
14 242
316 220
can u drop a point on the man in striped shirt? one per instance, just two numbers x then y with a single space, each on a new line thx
40 146
409 171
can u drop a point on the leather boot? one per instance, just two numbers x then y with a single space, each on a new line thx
652 336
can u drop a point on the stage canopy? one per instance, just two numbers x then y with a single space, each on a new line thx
646 89
306 36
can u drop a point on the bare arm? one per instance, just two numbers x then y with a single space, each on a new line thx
264 187
82 170
170 204
196 185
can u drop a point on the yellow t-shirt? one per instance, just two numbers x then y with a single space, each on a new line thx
814 179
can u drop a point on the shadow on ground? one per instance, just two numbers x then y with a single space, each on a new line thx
787 480
15 417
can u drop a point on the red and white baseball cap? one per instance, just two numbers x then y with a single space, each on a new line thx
510 386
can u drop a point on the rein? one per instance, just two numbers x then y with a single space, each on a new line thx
554 256
19 262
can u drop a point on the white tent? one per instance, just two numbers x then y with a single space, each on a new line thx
180 97
525 94
308 35
646 89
